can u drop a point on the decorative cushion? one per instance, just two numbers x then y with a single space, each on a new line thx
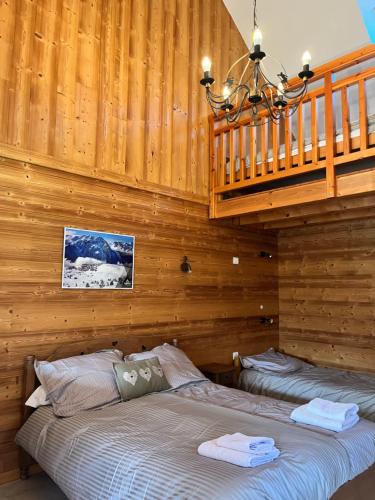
274 361
137 378
177 367
80 382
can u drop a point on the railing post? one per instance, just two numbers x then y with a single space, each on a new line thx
213 174
330 167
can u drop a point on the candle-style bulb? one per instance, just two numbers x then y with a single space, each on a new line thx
280 89
226 92
306 58
257 37
206 64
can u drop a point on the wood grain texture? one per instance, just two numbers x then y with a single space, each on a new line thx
324 212
112 86
213 311
327 292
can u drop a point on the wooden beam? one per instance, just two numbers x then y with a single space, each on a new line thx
323 218
294 195
356 183
307 210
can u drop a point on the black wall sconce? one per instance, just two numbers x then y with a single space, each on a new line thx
267 321
265 255
185 266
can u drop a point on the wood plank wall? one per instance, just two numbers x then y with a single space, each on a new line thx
327 293
110 89
214 311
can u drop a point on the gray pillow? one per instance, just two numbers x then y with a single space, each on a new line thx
80 382
137 378
274 361
177 367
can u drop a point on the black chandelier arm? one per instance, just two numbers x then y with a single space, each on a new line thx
266 86
292 109
288 94
218 101
272 114
295 94
267 79
233 117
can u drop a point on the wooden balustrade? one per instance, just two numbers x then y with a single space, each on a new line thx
245 156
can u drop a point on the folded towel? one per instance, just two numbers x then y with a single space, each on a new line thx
303 415
329 409
211 449
241 442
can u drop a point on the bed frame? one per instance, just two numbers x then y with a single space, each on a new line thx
242 184
360 488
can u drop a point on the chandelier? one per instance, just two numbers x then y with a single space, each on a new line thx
255 90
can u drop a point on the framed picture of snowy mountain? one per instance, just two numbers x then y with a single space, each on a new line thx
97 260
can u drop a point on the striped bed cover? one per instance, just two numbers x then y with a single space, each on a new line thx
146 449
304 385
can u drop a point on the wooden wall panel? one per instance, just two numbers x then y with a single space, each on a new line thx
327 293
111 88
213 311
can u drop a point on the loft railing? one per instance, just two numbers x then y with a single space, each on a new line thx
335 124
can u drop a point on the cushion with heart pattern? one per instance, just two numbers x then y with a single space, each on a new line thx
137 378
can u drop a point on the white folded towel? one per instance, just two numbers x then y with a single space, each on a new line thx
211 449
335 411
241 442
304 415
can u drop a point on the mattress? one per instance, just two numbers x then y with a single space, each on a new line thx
146 448
304 385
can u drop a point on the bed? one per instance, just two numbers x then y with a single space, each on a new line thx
309 382
147 448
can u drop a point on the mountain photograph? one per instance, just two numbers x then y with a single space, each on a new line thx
93 259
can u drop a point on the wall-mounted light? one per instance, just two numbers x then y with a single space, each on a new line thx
267 321
265 255
185 266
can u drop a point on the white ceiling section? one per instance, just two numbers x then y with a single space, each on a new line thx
327 28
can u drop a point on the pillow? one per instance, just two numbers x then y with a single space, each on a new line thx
139 356
177 367
80 382
274 361
38 398
137 378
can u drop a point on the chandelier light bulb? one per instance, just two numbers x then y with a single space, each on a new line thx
206 64
257 37
306 58
280 89
226 92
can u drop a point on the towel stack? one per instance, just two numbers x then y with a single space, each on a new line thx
322 413
239 449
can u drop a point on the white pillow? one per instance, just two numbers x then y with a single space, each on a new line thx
177 367
139 356
38 398
80 383
274 361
